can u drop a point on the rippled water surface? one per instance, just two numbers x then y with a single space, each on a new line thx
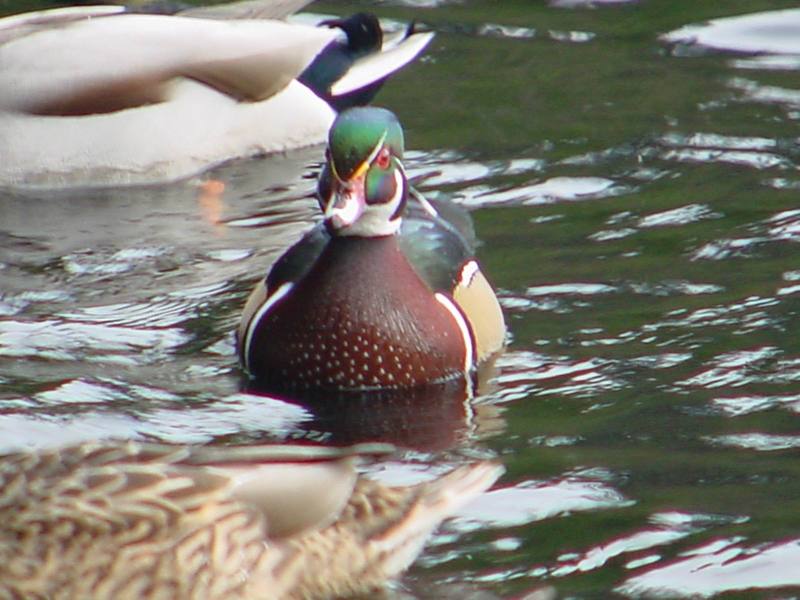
633 176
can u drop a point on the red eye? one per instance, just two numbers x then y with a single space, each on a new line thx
384 158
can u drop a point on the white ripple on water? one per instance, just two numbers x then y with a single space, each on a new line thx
550 191
784 225
97 262
587 3
159 312
559 298
572 37
764 365
506 31
521 374
237 413
15 303
674 288
100 391
723 249
769 62
28 431
57 340
564 298
535 500
570 289
609 235
780 227
724 565
756 152
664 529
761 442
82 391
771 32
683 215
734 369
445 167
753 91
745 315
738 406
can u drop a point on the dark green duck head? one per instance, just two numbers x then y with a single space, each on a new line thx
363 188
363 37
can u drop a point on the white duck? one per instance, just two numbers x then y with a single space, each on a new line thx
98 96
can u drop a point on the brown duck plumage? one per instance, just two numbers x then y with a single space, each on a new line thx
144 521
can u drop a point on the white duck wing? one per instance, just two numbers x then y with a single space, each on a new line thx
110 63
380 65
15 26
247 9
295 488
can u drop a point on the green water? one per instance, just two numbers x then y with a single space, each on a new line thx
636 211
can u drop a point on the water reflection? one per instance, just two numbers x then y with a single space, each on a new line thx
720 566
773 32
530 500
428 418
638 214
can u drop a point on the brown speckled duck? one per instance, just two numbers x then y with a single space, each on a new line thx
141 521
371 300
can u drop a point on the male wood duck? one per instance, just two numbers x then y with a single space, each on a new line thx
99 96
365 302
129 521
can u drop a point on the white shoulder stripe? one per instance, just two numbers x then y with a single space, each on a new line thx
458 317
282 291
468 271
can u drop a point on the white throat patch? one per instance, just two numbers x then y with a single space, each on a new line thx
376 219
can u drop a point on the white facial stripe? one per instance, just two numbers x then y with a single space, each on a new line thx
260 313
426 205
462 326
468 271
397 197
377 148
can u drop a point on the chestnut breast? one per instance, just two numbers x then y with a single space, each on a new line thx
361 318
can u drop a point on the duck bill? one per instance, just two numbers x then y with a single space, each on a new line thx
347 203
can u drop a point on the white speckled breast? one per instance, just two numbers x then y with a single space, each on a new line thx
360 319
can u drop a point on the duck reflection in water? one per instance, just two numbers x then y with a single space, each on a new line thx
429 418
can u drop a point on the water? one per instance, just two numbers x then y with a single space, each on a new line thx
636 203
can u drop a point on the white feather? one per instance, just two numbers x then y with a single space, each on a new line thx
380 65
273 299
461 322
375 220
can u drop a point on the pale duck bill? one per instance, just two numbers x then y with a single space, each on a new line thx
347 202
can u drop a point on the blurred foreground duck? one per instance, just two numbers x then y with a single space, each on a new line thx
140 521
370 300
99 96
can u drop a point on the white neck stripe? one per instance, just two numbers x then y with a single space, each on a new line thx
468 272
282 291
461 322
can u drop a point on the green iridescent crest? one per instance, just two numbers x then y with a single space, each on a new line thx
356 132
